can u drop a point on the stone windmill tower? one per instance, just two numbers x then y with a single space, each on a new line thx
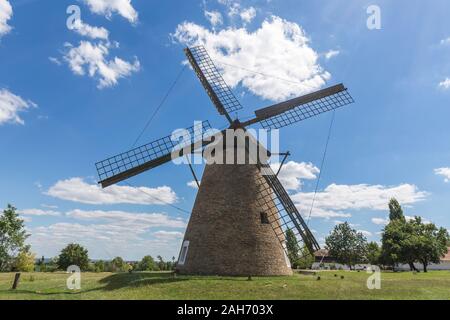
242 211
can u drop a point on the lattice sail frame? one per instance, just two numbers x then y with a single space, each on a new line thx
283 214
308 110
159 149
216 87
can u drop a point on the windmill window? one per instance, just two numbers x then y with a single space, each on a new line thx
183 253
264 218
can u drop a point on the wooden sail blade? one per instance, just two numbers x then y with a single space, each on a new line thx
146 157
213 82
301 108
276 199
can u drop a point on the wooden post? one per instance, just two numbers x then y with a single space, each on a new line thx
16 281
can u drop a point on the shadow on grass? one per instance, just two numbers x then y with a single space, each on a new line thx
134 280
112 282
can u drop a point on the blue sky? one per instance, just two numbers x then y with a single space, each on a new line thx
69 98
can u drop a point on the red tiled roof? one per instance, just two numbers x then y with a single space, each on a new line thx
447 256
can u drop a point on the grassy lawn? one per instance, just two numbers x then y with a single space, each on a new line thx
433 285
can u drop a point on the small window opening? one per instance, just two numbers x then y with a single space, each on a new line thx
264 218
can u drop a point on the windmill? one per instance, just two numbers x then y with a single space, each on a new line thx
242 211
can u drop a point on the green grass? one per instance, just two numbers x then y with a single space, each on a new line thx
432 285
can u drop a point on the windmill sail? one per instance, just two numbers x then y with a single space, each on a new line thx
274 198
304 107
146 157
216 87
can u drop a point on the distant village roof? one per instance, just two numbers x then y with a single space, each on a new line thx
321 253
447 256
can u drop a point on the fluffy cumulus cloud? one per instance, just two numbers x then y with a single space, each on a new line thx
77 190
11 105
107 234
248 14
86 30
339 200
92 59
445 84
292 173
444 172
192 184
110 7
279 51
214 17
6 13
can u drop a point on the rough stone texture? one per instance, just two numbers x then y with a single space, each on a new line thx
225 231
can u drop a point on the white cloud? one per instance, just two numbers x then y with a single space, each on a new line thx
214 17
247 15
89 31
332 53
109 7
169 235
107 234
144 220
292 173
380 221
444 172
192 184
39 212
336 199
279 48
445 84
77 190
11 105
6 13
92 59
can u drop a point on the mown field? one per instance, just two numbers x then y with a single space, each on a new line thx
432 285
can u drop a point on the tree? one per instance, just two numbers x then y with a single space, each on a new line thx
118 265
25 260
395 210
346 245
12 237
373 253
99 266
430 243
73 254
147 264
306 260
292 247
398 244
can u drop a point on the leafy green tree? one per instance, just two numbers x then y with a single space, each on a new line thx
292 247
118 265
73 254
161 264
346 245
12 237
395 210
373 253
25 260
99 266
398 242
392 242
306 260
430 243
147 264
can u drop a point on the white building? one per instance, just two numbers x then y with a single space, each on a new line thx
324 261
